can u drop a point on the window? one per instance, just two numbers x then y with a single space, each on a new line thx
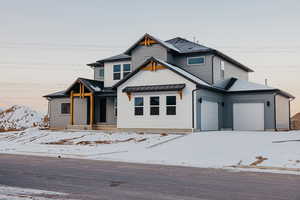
65 108
117 72
116 106
126 69
171 105
222 69
196 60
154 105
101 73
138 106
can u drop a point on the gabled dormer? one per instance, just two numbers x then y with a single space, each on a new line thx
147 47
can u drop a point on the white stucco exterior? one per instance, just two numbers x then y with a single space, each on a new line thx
282 112
183 117
108 72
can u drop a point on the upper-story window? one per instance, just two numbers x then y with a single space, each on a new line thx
117 72
101 73
222 69
196 60
126 69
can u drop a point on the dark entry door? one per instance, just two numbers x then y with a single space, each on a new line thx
103 110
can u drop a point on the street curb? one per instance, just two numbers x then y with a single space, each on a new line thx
265 167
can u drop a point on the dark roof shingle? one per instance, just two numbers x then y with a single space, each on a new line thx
154 88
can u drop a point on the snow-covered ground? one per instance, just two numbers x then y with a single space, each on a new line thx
19 117
14 193
203 149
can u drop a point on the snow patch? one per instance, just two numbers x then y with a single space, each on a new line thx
215 149
19 118
15 193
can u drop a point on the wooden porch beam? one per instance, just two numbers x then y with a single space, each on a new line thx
180 93
129 95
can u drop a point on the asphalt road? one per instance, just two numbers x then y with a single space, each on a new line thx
85 179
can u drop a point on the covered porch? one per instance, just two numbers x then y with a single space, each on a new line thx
91 105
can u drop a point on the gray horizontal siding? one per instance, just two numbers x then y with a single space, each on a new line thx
141 53
58 120
226 112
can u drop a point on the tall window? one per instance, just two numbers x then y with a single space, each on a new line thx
117 72
116 107
171 105
101 73
65 108
196 60
154 105
222 69
126 69
138 106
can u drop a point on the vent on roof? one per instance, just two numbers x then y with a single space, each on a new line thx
230 83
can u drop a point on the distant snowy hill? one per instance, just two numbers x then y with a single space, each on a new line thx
19 118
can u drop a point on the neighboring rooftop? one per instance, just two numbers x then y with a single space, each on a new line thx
115 58
185 46
56 94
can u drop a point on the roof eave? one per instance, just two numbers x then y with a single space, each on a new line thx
231 60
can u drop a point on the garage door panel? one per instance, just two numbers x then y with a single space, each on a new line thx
248 116
209 116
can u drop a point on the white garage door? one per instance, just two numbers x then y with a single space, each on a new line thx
209 116
248 116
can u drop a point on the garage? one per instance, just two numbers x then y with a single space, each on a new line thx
248 116
209 116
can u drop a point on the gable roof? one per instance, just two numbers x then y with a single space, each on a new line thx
93 86
178 45
178 70
167 45
185 46
234 85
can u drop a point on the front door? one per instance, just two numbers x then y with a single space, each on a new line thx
103 110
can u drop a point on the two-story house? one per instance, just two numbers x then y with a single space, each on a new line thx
174 85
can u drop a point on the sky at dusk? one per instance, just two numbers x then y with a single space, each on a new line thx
45 45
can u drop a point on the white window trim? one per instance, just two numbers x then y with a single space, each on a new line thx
101 77
134 106
171 105
117 72
187 60
121 70
222 69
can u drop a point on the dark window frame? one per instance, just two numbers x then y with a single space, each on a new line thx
138 109
196 57
65 108
154 108
117 73
171 107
